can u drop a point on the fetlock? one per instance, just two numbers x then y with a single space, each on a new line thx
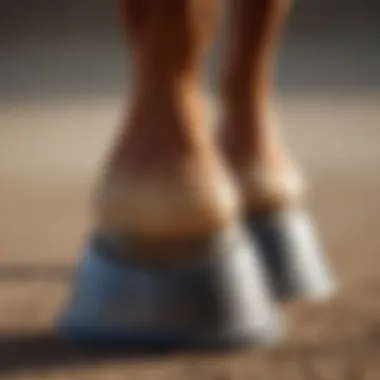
267 190
192 198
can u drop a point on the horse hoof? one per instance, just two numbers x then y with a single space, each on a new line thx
293 257
221 300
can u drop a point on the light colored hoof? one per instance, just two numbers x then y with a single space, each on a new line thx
222 300
293 256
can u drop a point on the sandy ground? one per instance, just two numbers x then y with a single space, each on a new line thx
49 156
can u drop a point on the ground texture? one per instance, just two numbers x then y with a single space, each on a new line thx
49 157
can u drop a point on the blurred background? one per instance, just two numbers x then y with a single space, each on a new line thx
63 79
52 48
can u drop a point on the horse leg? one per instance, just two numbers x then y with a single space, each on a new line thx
170 263
270 183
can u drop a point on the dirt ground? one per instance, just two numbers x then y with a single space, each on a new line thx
49 156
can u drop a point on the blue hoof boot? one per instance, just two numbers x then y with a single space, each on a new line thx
221 300
290 250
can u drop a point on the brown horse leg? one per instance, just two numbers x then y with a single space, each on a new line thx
164 179
270 184
165 197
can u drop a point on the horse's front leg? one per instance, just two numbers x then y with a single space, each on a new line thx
169 263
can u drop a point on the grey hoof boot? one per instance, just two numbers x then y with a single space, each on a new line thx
291 252
220 300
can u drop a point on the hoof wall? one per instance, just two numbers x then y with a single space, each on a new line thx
290 250
222 300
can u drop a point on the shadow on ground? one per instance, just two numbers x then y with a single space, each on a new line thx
42 350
